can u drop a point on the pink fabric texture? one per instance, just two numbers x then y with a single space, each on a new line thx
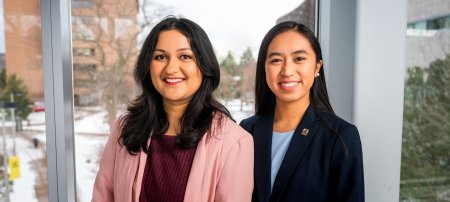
222 169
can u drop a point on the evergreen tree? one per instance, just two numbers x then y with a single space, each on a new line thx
246 58
14 85
229 64
426 132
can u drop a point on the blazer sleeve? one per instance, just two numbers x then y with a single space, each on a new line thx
236 178
347 175
104 182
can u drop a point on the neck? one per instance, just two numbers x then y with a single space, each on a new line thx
174 112
288 115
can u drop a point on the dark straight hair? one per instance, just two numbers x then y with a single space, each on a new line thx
264 97
145 115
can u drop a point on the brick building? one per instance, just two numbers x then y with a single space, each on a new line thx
103 41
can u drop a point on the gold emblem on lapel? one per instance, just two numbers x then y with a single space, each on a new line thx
305 131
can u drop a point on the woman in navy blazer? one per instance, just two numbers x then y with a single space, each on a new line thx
303 151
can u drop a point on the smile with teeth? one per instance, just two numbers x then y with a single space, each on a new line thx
173 80
289 84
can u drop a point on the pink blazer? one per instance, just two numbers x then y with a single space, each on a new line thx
222 169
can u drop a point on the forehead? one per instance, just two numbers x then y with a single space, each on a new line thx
172 39
289 41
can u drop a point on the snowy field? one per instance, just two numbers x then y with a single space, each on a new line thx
91 133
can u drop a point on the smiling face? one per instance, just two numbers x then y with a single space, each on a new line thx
291 67
174 71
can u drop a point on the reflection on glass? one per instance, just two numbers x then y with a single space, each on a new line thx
106 35
21 104
425 174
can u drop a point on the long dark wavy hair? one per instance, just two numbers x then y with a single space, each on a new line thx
264 97
145 115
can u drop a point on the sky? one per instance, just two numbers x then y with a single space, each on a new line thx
233 25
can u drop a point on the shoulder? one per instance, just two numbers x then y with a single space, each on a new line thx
345 135
248 123
230 133
337 124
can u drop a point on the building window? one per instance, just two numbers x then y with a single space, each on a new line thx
83 20
83 51
85 67
431 24
83 34
82 4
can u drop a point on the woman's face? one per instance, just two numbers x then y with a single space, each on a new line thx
291 67
173 69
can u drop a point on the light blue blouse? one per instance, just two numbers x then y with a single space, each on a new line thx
280 144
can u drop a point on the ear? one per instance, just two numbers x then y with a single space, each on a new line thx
318 66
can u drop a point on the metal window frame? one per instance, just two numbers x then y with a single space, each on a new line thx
350 32
58 92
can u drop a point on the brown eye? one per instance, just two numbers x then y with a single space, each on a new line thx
276 61
159 57
299 59
185 57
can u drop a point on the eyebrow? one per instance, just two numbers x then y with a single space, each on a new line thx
299 51
295 52
180 49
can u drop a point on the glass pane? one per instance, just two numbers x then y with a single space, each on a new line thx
22 117
107 36
425 174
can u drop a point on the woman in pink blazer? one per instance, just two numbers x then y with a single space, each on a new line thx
176 142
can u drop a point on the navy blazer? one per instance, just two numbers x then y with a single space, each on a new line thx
323 161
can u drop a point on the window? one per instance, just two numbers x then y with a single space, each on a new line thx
83 51
22 127
82 4
425 166
431 24
101 96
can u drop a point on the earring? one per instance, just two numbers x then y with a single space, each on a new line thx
317 74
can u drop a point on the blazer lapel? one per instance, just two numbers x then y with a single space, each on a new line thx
262 137
303 135
194 189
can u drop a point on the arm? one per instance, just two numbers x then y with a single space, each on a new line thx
104 182
347 175
236 177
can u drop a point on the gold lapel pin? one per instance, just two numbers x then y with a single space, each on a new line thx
305 131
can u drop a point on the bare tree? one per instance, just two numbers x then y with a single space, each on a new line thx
224 91
247 70
111 31
246 85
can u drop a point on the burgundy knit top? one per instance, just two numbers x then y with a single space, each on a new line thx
166 171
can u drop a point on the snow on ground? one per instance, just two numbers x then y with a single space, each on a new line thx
93 123
91 133
23 188
87 153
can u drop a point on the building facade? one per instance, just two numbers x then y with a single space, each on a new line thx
428 32
305 13
104 46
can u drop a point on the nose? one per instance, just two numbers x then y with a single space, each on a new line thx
288 69
173 65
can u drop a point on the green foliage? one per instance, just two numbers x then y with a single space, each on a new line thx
229 64
15 85
426 132
247 58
